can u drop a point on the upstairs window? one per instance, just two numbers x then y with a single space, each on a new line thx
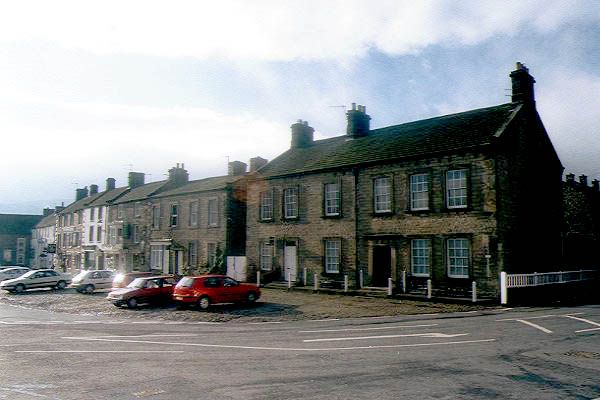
456 188
92 213
174 215
332 199
136 234
91 234
192 254
420 257
156 217
290 203
458 254
213 212
266 256
419 192
120 212
100 211
382 199
266 205
99 234
137 209
194 213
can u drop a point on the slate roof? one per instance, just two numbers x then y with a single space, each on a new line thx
201 185
48 220
141 192
18 224
108 197
81 204
419 138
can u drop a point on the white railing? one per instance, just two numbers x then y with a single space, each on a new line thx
508 281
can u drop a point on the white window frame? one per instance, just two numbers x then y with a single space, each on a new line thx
458 257
137 209
100 213
156 216
173 215
92 212
99 233
420 257
290 203
332 199
266 255
382 195
266 205
333 255
457 188
193 213
193 254
212 212
211 254
91 234
419 192
135 233
120 211
157 257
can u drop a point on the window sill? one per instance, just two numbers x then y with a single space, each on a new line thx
383 214
290 219
336 216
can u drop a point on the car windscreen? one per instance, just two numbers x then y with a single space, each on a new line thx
185 282
28 274
137 283
80 275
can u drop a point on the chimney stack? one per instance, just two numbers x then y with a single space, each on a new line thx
93 190
522 85
136 179
302 134
60 208
583 180
47 211
110 184
358 121
178 175
81 193
236 168
596 185
570 179
257 163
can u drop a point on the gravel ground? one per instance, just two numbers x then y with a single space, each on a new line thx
274 305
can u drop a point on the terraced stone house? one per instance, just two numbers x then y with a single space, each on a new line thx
454 199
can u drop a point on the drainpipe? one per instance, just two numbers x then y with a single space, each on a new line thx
356 267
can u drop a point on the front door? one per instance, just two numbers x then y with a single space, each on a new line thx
289 262
382 266
177 262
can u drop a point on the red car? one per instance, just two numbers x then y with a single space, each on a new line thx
153 289
122 280
210 289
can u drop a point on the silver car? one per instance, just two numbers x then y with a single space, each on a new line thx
90 280
12 273
41 278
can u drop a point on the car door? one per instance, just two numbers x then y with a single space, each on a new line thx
36 280
167 285
51 278
231 290
153 290
105 280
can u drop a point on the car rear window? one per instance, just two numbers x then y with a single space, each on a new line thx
185 282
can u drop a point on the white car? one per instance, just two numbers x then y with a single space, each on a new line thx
90 280
12 273
41 278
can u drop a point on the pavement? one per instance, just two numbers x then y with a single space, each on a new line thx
274 305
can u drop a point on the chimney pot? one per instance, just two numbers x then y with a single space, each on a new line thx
256 163
583 180
136 179
358 121
302 134
110 184
93 189
522 84
596 185
236 168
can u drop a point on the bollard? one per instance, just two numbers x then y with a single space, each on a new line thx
304 276
428 288
289 280
360 279
403 281
389 286
345 283
503 288
315 282
474 291
258 277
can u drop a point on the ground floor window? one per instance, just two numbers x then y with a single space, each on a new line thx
157 257
266 256
458 255
211 252
332 255
192 254
420 252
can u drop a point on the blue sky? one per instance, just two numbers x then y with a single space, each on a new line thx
92 90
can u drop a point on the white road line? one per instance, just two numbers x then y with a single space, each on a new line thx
298 349
27 392
582 320
323 320
138 336
427 335
369 329
99 351
538 317
587 330
541 328
265 322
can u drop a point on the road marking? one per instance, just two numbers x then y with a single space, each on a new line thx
99 351
369 329
27 392
586 321
298 349
541 328
140 336
588 330
265 322
323 320
538 317
427 335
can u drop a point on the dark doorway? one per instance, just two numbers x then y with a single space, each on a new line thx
382 266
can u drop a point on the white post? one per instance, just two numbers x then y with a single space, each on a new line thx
403 281
346 283
258 277
503 288
361 279
428 288
315 282
304 276
389 286
474 291
289 280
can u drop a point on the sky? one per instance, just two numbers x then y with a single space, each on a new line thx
96 89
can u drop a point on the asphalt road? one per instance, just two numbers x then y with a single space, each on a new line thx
524 353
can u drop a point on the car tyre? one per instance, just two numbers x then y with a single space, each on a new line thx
251 297
20 288
61 285
132 303
89 289
204 303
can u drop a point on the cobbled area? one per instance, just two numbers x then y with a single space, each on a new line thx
274 305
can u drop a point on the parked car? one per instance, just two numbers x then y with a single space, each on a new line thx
12 273
152 289
210 289
41 278
124 279
90 280
12 266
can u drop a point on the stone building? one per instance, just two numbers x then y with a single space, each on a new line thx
454 199
15 238
43 239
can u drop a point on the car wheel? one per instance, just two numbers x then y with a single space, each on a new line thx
20 288
132 302
204 303
89 289
61 285
251 297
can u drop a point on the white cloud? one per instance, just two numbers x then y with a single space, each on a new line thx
278 30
